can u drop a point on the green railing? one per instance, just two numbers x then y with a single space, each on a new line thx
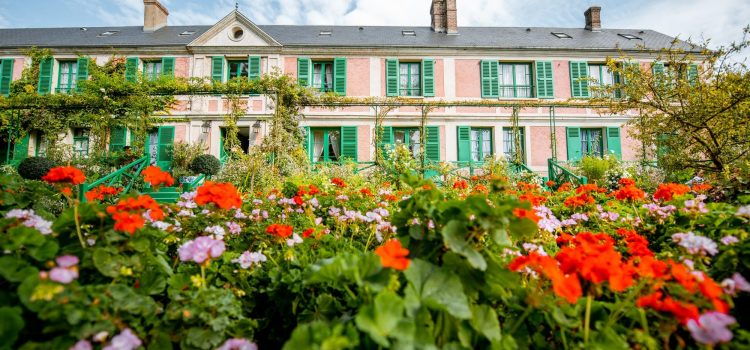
560 174
126 175
193 185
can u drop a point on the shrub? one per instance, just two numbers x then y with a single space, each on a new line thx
34 168
183 155
205 164
594 168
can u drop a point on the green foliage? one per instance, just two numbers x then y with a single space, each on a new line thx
183 155
594 168
34 168
205 164
692 114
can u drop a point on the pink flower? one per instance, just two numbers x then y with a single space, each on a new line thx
201 249
67 261
82 345
63 275
238 344
126 340
737 282
234 228
711 328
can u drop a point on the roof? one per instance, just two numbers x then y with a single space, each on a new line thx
350 36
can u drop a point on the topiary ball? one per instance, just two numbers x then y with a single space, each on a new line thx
205 164
34 168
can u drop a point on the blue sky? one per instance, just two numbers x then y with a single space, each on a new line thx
721 20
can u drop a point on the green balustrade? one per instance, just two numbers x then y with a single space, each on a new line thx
560 174
128 175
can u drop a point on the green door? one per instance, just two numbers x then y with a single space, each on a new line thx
165 146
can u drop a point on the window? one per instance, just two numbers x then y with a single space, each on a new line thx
410 81
481 144
630 36
67 78
41 145
561 35
591 142
80 142
409 137
601 76
509 144
515 80
238 69
326 144
323 76
152 70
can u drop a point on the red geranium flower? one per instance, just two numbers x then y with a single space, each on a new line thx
156 177
101 192
65 175
527 214
279 230
128 213
392 254
223 195
460 185
338 182
307 233
666 192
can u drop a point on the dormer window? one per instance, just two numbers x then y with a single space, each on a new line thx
187 33
629 36
561 35
109 33
408 33
325 33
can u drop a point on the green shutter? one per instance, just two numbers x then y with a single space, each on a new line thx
432 144
692 74
657 68
662 145
45 76
579 84
614 145
167 66
253 71
131 69
118 139
217 69
544 80
20 150
349 144
464 143
385 140
574 143
339 76
166 144
489 79
309 143
222 139
304 68
428 78
6 75
83 72
391 77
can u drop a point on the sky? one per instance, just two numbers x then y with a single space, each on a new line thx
719 20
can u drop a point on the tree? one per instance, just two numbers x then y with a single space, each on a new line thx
693 110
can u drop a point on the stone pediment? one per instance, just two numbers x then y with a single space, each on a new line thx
234 30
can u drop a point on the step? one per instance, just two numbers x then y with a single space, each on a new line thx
165 197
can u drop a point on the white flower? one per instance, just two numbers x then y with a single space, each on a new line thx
217 231
296 239
695 244
248 259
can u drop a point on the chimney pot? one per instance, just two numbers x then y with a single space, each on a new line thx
155 15
594 18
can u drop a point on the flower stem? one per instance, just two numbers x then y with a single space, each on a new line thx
587 320
78 225
203 277
520 320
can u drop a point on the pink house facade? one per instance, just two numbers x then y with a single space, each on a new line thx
442 62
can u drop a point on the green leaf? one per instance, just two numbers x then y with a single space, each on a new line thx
484 320
380 319
437 288
108 262
321 335
10 327
126 299
45 251
454 236
15 269
152 281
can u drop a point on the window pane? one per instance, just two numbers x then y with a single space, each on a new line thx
317 145
328 83
334 145
399 136
486 143
317 74
594 74
404 78
414 142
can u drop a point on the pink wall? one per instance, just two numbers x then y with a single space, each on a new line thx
180 133
213 106
182 67
467 78
18 66
358 77
561 71
290 66
439 78
631 147
363 143
540 149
